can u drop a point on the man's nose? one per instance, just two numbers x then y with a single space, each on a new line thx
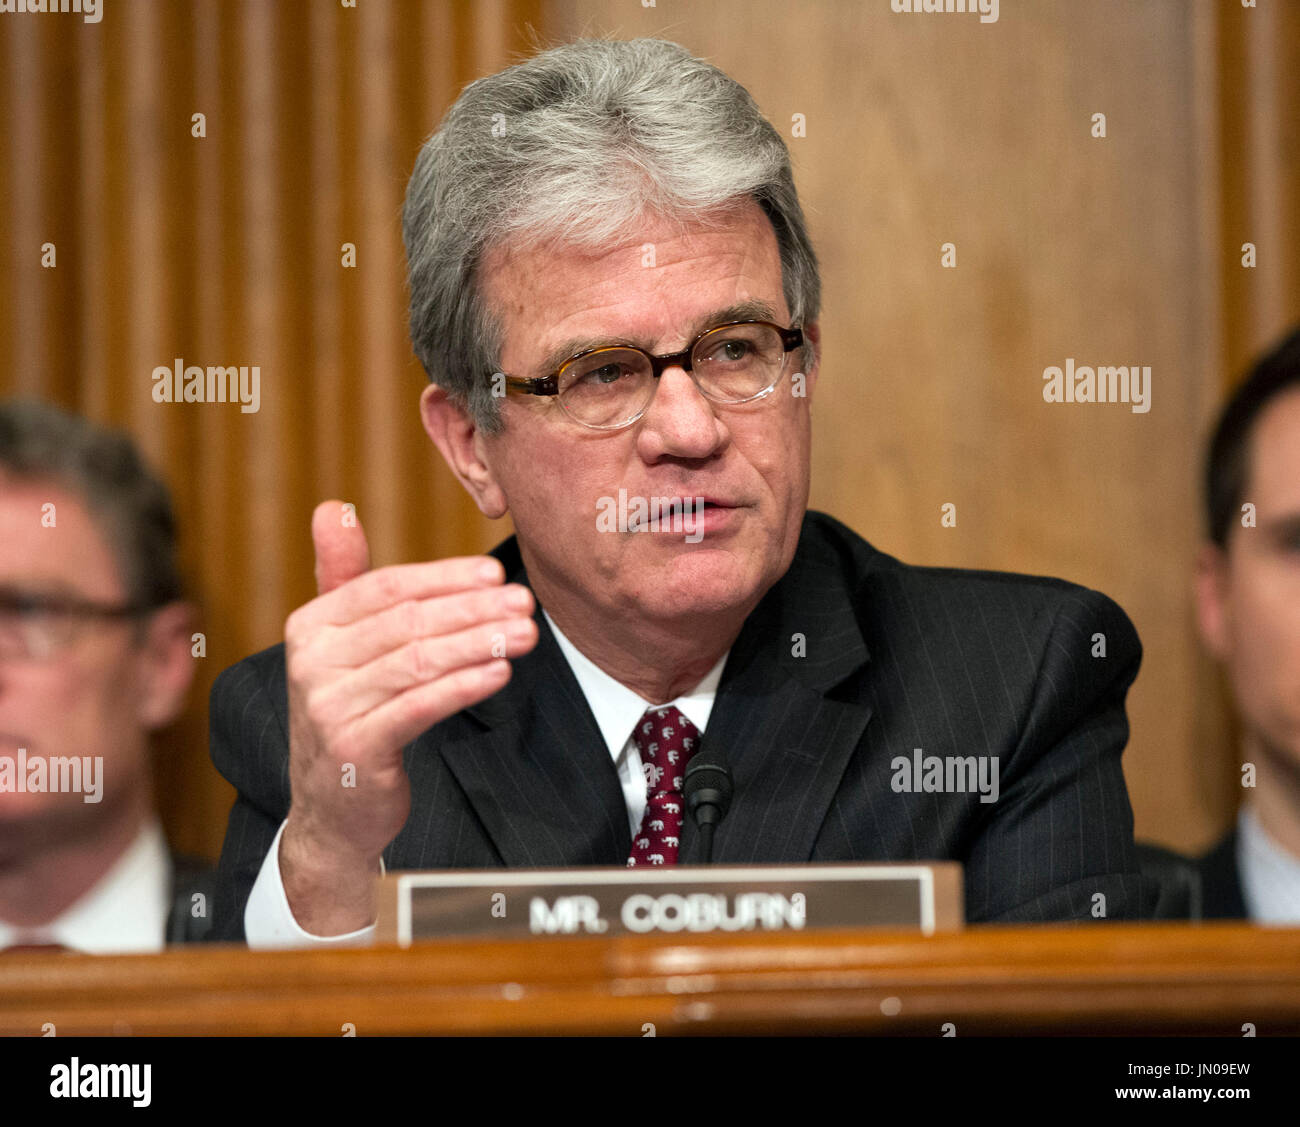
680 422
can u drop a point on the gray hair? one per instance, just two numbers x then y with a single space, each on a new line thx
129 505
576 145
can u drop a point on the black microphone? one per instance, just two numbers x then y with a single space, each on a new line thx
707 790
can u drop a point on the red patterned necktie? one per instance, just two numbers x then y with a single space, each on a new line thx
666 741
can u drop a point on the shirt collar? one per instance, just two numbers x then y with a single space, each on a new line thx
124 913
1270 876
617 708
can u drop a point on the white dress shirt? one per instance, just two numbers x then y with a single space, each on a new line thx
268 919
126 911
1270 876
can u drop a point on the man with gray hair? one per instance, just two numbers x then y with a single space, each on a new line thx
94 655
616 299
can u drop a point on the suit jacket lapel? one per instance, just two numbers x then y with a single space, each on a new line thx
776 721
535 768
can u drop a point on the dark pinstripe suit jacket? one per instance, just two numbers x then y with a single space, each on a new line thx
956 663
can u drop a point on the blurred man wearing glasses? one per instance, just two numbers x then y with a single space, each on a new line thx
94 654
616 299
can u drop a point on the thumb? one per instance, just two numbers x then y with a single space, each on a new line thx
341 549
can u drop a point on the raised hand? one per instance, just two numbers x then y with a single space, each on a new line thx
374 660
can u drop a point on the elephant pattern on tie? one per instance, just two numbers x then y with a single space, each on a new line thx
665 738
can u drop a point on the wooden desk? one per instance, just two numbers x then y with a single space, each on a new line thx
1107 978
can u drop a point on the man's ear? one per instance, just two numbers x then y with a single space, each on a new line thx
463 448
166 664
1213 607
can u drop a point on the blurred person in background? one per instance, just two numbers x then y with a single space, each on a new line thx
95 654
1248 604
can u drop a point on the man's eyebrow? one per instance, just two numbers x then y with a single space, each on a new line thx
752 310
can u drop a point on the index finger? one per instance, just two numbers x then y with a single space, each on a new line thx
378 590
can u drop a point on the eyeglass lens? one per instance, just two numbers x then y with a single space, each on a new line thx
731 364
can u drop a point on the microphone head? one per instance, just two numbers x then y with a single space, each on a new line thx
707 784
